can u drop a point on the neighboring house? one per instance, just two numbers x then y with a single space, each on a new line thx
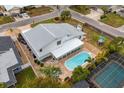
119 9
2 9
121 12
8 7
56 40
115 8
10 61
15 11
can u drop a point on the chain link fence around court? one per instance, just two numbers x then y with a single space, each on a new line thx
114 76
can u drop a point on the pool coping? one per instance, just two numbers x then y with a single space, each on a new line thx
96 74
84 64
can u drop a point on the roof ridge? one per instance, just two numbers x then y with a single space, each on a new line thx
48 31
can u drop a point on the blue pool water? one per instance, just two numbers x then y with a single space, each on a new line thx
112 76
77 60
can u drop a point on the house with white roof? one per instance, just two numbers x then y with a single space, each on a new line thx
56 40
10 61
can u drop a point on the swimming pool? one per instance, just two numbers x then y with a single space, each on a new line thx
112 76
77 60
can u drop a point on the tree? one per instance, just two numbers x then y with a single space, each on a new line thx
91 62
51 71
79 74
46 82
105 9
116 45
65 15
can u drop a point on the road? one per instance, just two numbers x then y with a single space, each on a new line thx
82 18
28 21
99 25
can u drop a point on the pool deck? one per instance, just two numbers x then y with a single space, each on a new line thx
65 72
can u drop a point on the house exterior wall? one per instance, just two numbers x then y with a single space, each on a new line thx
53 45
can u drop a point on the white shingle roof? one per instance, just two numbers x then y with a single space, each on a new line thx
44 34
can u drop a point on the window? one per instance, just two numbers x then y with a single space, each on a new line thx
58 42
79 37
40 50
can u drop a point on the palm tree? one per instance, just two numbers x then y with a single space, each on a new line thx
117 44
79 74
90 60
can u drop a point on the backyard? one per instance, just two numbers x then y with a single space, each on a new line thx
39 11
6 19
24 77
113 19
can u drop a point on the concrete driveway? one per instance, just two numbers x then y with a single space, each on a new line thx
95 14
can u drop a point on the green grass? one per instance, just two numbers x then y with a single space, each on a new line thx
46 21
6 19
39 11
92 33
113 19
83 9
25 76
93 36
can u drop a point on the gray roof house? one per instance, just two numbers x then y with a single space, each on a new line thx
53 39
9 61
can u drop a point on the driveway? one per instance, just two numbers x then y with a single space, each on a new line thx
95 14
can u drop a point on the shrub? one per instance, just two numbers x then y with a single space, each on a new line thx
57 18
103 16
37 62
114 12
66 78
41 64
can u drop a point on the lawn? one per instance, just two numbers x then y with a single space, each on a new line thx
83 9
113 19
6 19
24 76
92 33
39 11
93 36
46 21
